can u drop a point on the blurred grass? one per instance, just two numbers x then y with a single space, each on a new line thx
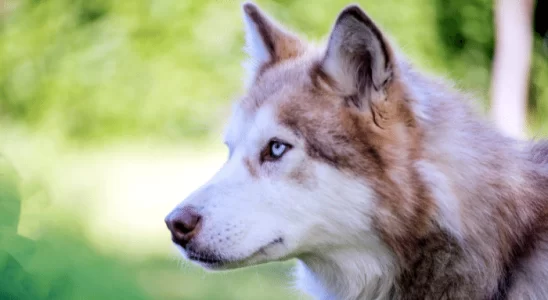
111 112
81 250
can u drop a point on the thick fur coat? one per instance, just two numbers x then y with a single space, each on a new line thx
381 181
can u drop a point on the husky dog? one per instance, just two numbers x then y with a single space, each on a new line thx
382 182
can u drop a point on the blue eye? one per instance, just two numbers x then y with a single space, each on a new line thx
277 149
274 150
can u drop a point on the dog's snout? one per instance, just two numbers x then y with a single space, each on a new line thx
184 224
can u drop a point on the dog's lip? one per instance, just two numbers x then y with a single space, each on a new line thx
205 259
263 248
213 261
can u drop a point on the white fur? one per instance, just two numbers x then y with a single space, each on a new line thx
449 212
325 222
364 272
255 49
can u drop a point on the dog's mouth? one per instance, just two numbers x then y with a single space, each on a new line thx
213 261
205 259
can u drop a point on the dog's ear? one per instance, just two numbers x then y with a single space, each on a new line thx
358 60
266 42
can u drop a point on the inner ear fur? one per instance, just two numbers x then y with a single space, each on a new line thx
358 60
267 43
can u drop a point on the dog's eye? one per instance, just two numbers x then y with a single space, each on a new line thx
277 149
274 150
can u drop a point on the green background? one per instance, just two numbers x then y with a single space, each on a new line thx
111 112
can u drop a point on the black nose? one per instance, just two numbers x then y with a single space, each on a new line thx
184 224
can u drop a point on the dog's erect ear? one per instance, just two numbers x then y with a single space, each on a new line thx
266 42
358 60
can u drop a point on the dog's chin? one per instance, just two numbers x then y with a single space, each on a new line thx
209 261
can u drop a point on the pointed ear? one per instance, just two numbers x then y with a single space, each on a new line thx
266 42
358 60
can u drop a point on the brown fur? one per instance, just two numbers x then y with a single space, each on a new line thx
281 44
388 137
250 168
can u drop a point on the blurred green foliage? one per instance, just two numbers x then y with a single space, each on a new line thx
96 69
62 265
56 266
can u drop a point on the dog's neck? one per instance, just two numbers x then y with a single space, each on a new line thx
348 274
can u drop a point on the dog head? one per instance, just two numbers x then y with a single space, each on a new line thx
318 147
